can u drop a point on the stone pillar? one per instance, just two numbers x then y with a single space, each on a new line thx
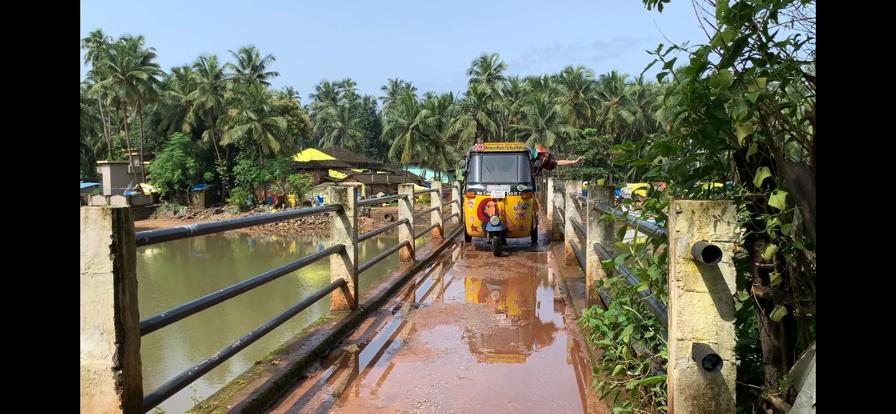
344 231
111 377
456 201
599 233
435 217
557 202
573 187
406 211
701 308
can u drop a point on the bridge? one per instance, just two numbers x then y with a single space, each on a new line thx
454 329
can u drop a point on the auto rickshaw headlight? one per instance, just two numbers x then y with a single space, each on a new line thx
470 194
495 220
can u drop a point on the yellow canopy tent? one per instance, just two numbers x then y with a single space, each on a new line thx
311 154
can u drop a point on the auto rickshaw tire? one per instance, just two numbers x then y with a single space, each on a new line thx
467 238
533 234
497 242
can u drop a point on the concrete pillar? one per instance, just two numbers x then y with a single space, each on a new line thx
573 187
111 378
557 202
600 232
406 211
344 231
435 217
701 308
456 201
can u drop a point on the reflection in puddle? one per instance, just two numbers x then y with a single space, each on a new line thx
479 335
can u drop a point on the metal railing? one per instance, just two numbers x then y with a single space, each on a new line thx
704 232
178 313
580 204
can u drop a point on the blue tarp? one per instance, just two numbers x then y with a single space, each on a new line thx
199 187
88 185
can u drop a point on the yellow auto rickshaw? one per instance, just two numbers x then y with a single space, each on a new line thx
499 193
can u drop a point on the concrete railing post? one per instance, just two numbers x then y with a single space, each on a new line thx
435 217
556 202
456 201
406 211
702 366
573 188
111 376
599 233
344 231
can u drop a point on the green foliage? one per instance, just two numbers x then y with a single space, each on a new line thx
175 168
298 184
632 381
242 198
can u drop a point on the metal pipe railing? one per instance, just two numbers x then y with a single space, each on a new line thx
378 200
450 216
372 233
578 253
578 228
656 307
183 379
652 230
144 238
368 264
168 317
421 192
427 211
419 235
171 316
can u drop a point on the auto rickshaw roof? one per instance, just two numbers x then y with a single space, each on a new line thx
502 147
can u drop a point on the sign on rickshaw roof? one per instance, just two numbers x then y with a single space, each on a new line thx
501 147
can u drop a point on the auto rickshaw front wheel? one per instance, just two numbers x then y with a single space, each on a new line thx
497 242
533 234
467 238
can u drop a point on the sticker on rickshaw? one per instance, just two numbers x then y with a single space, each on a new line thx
497 191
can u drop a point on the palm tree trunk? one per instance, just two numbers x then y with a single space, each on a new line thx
142 144
99 102
222 163
127 138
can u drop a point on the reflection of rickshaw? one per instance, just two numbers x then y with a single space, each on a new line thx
521 330
499 191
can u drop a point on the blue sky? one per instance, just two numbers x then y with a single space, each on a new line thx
430 43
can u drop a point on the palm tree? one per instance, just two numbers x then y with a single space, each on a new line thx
475 117
339 126
542 121
577 95
488 70
406 124
250 66
348 90
97 45
208 99
131 78
256 121
442 156
326 95
393 89
613 113
174 111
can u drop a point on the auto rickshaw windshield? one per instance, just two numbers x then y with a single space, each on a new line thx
496 168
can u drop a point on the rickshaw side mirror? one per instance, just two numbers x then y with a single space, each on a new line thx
538 163
462 164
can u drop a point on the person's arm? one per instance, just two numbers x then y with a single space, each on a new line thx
570 162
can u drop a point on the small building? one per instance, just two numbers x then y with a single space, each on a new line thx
337 165
429 174
117 177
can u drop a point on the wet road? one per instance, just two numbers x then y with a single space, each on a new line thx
474 333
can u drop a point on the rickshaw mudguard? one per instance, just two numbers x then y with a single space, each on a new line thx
491 228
